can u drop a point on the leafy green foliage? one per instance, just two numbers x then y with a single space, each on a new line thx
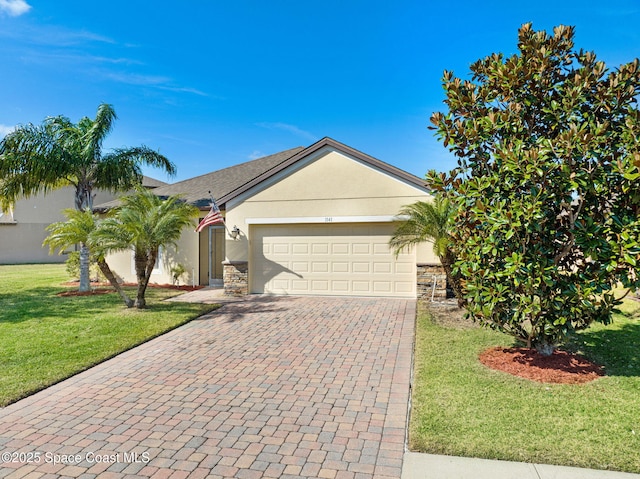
548 152
176 272
72 266
41 158
429 221
146 222
82 227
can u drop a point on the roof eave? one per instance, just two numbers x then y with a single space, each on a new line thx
326 141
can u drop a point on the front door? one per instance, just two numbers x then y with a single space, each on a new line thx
216 255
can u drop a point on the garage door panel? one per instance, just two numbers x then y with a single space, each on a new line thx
361 248
320 267
359 267
382 287
340 248
381 249
320 286
319 248
299 285
300 267
361 286
300 248
382 268
340 286
340 267
338 259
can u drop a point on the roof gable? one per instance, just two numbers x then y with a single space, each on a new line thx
336 145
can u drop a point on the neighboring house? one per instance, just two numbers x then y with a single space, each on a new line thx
307 221
23 227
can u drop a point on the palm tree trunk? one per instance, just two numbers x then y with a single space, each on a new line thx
85 280
106 270
140 260
85 275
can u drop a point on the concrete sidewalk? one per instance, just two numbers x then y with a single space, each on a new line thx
430 466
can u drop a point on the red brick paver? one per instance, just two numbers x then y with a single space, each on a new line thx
281 387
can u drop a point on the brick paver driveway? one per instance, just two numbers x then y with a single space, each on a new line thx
268 387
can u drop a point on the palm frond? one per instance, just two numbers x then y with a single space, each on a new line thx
97 130
425 221
65 234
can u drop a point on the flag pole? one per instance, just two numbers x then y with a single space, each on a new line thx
213 202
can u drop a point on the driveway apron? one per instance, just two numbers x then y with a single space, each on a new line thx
281 387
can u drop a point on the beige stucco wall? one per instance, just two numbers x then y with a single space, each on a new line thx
186 253
21 239
329 184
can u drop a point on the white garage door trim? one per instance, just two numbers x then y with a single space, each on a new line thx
344 259
323 219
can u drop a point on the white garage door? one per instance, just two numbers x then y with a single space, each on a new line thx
330 259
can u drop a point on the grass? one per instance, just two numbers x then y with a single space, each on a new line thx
47 338
462 408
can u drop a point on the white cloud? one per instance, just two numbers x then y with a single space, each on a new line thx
14 8
136 79
255 154
5 130
155 81
289 128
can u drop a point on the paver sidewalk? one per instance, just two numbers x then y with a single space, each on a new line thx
281 387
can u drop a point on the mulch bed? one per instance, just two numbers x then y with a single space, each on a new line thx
93 292
561 367
100 290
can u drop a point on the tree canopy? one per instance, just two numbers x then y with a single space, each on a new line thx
429 221
145 222
58 153
546 190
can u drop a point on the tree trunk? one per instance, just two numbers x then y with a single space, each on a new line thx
140 259
104 267
83 202
85 280
545 348
452 279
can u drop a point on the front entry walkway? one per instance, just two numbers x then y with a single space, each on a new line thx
280 387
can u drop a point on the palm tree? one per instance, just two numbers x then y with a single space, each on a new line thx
146 222
58 153
430 222
81 227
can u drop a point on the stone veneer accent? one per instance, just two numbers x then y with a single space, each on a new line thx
427 273
236 278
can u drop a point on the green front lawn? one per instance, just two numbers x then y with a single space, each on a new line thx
462 408
46 338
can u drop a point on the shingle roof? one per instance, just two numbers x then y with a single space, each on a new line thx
317 146
149 182
220 183
230 182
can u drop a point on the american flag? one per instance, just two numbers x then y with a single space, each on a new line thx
213 217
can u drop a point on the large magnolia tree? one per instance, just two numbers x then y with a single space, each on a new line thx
58 153
546 188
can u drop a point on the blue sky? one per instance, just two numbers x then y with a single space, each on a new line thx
214 83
